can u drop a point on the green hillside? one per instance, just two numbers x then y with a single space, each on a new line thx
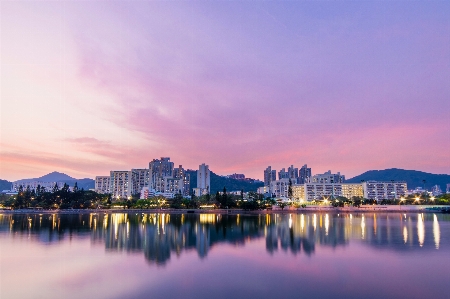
413 178
218 182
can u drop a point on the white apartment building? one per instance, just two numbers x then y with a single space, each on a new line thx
140 179
313 191
164 178
159 169
318 191
120 184
328 177
203 179
102 184
280 188
384 190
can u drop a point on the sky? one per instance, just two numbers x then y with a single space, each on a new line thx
349 86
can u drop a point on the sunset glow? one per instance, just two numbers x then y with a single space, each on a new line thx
89 87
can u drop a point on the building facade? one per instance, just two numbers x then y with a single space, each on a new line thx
120 184
163 178
384 190
203 180
269 176
280 188
102 184
304 175
140 178
328 178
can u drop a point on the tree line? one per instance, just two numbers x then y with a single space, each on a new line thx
76 198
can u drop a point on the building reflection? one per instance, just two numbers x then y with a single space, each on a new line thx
158 236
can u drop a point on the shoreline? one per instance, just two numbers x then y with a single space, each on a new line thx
309 209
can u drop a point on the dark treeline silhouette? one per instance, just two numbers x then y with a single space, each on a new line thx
57 198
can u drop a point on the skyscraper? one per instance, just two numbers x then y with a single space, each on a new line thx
158 170
293 173
304 175
269 176
203 177
120 184
203 180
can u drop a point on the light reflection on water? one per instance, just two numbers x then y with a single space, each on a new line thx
386 238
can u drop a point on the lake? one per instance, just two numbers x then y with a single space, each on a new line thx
147 255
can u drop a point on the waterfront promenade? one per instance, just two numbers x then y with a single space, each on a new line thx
307 209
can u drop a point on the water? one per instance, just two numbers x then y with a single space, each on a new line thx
133 255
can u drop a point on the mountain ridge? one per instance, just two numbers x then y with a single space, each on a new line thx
413 178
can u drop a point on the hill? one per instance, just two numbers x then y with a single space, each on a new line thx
5 185
413 178
218 182
55 176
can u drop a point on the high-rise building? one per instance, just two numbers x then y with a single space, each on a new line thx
181 174
293 173
328 177
102 184
280 188
448 189
140 178
158 169
304 175
203 180
269 176
282 174
164 178
121 184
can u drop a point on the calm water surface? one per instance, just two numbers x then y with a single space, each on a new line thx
224 256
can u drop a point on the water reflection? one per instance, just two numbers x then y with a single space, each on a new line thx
159 236
420 229
436 231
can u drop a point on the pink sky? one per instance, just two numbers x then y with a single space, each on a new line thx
89 87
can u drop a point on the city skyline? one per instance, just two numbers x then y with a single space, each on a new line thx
349 87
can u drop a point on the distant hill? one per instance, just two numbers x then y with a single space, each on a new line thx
5 185
218 182
55 176
413 178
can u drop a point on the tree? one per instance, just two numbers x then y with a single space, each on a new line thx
75 187
282 205
177 201
55 188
